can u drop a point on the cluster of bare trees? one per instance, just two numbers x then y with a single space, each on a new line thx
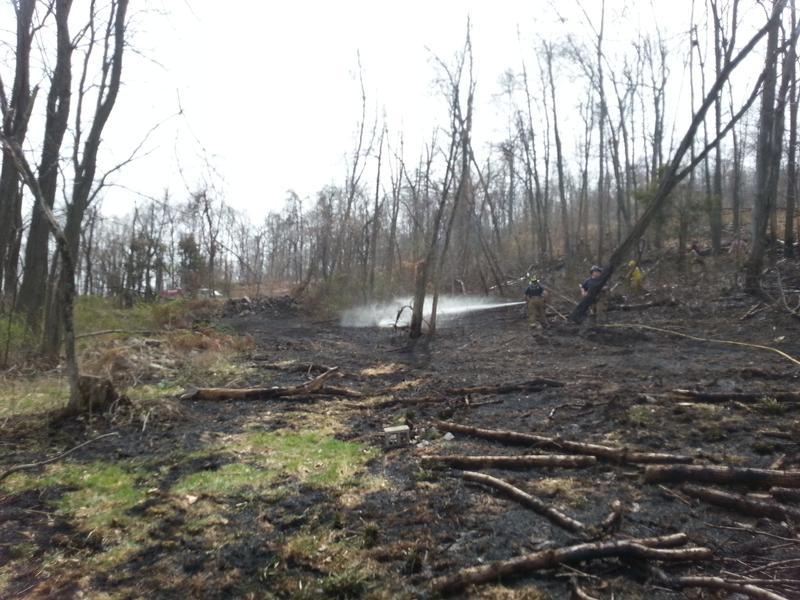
591 161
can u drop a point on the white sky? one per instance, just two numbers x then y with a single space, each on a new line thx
270 91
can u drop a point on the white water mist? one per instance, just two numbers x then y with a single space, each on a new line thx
384 314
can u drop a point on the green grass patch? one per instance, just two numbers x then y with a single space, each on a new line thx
152 393
93 313
15 339
30 396
771 406
98 494
311 457
641 416
305 457
229 479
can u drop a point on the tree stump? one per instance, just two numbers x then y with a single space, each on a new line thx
96 394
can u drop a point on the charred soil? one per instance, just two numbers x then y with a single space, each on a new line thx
396 522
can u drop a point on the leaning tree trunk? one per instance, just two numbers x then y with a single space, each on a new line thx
673 174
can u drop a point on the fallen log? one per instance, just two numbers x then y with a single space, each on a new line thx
534 385
785 494
722 474
717 397
261 393
529 501
612 453
743 504
646 305
528 461
547 559
289 367
715 583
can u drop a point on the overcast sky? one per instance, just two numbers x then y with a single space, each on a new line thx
270 93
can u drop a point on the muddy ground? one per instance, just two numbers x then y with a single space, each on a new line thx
424 522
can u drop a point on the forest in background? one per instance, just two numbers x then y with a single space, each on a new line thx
447 214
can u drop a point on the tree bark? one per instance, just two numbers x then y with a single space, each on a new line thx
673 175
742 504
722 474
647 548
527 461
14 126
33 287
611 453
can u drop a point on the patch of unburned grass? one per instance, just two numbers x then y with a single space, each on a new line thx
93 313
30 396
641 416
229 479
310 456
148 394
771 406
96 498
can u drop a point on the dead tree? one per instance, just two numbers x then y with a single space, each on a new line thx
15 112
548 48
34 277
674 174
84 158
791 163
768 155
458 137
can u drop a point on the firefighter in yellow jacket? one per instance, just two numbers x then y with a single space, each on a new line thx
635 278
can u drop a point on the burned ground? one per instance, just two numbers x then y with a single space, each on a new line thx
392 524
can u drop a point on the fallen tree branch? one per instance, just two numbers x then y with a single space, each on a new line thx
534 385
290 367
646 305
785 494
716 397
715 583
721 474
612 453
578 593
527 461
55 458
259 393
529 501
546 559
110 331
743 504
700 339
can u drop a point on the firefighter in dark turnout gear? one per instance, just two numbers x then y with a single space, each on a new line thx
600 305
536 296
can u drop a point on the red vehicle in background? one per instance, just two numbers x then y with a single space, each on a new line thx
173 294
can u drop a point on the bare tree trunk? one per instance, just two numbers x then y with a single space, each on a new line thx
376 219
86 166
34 279
673 174
15 116
559 157
767 161
791 165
